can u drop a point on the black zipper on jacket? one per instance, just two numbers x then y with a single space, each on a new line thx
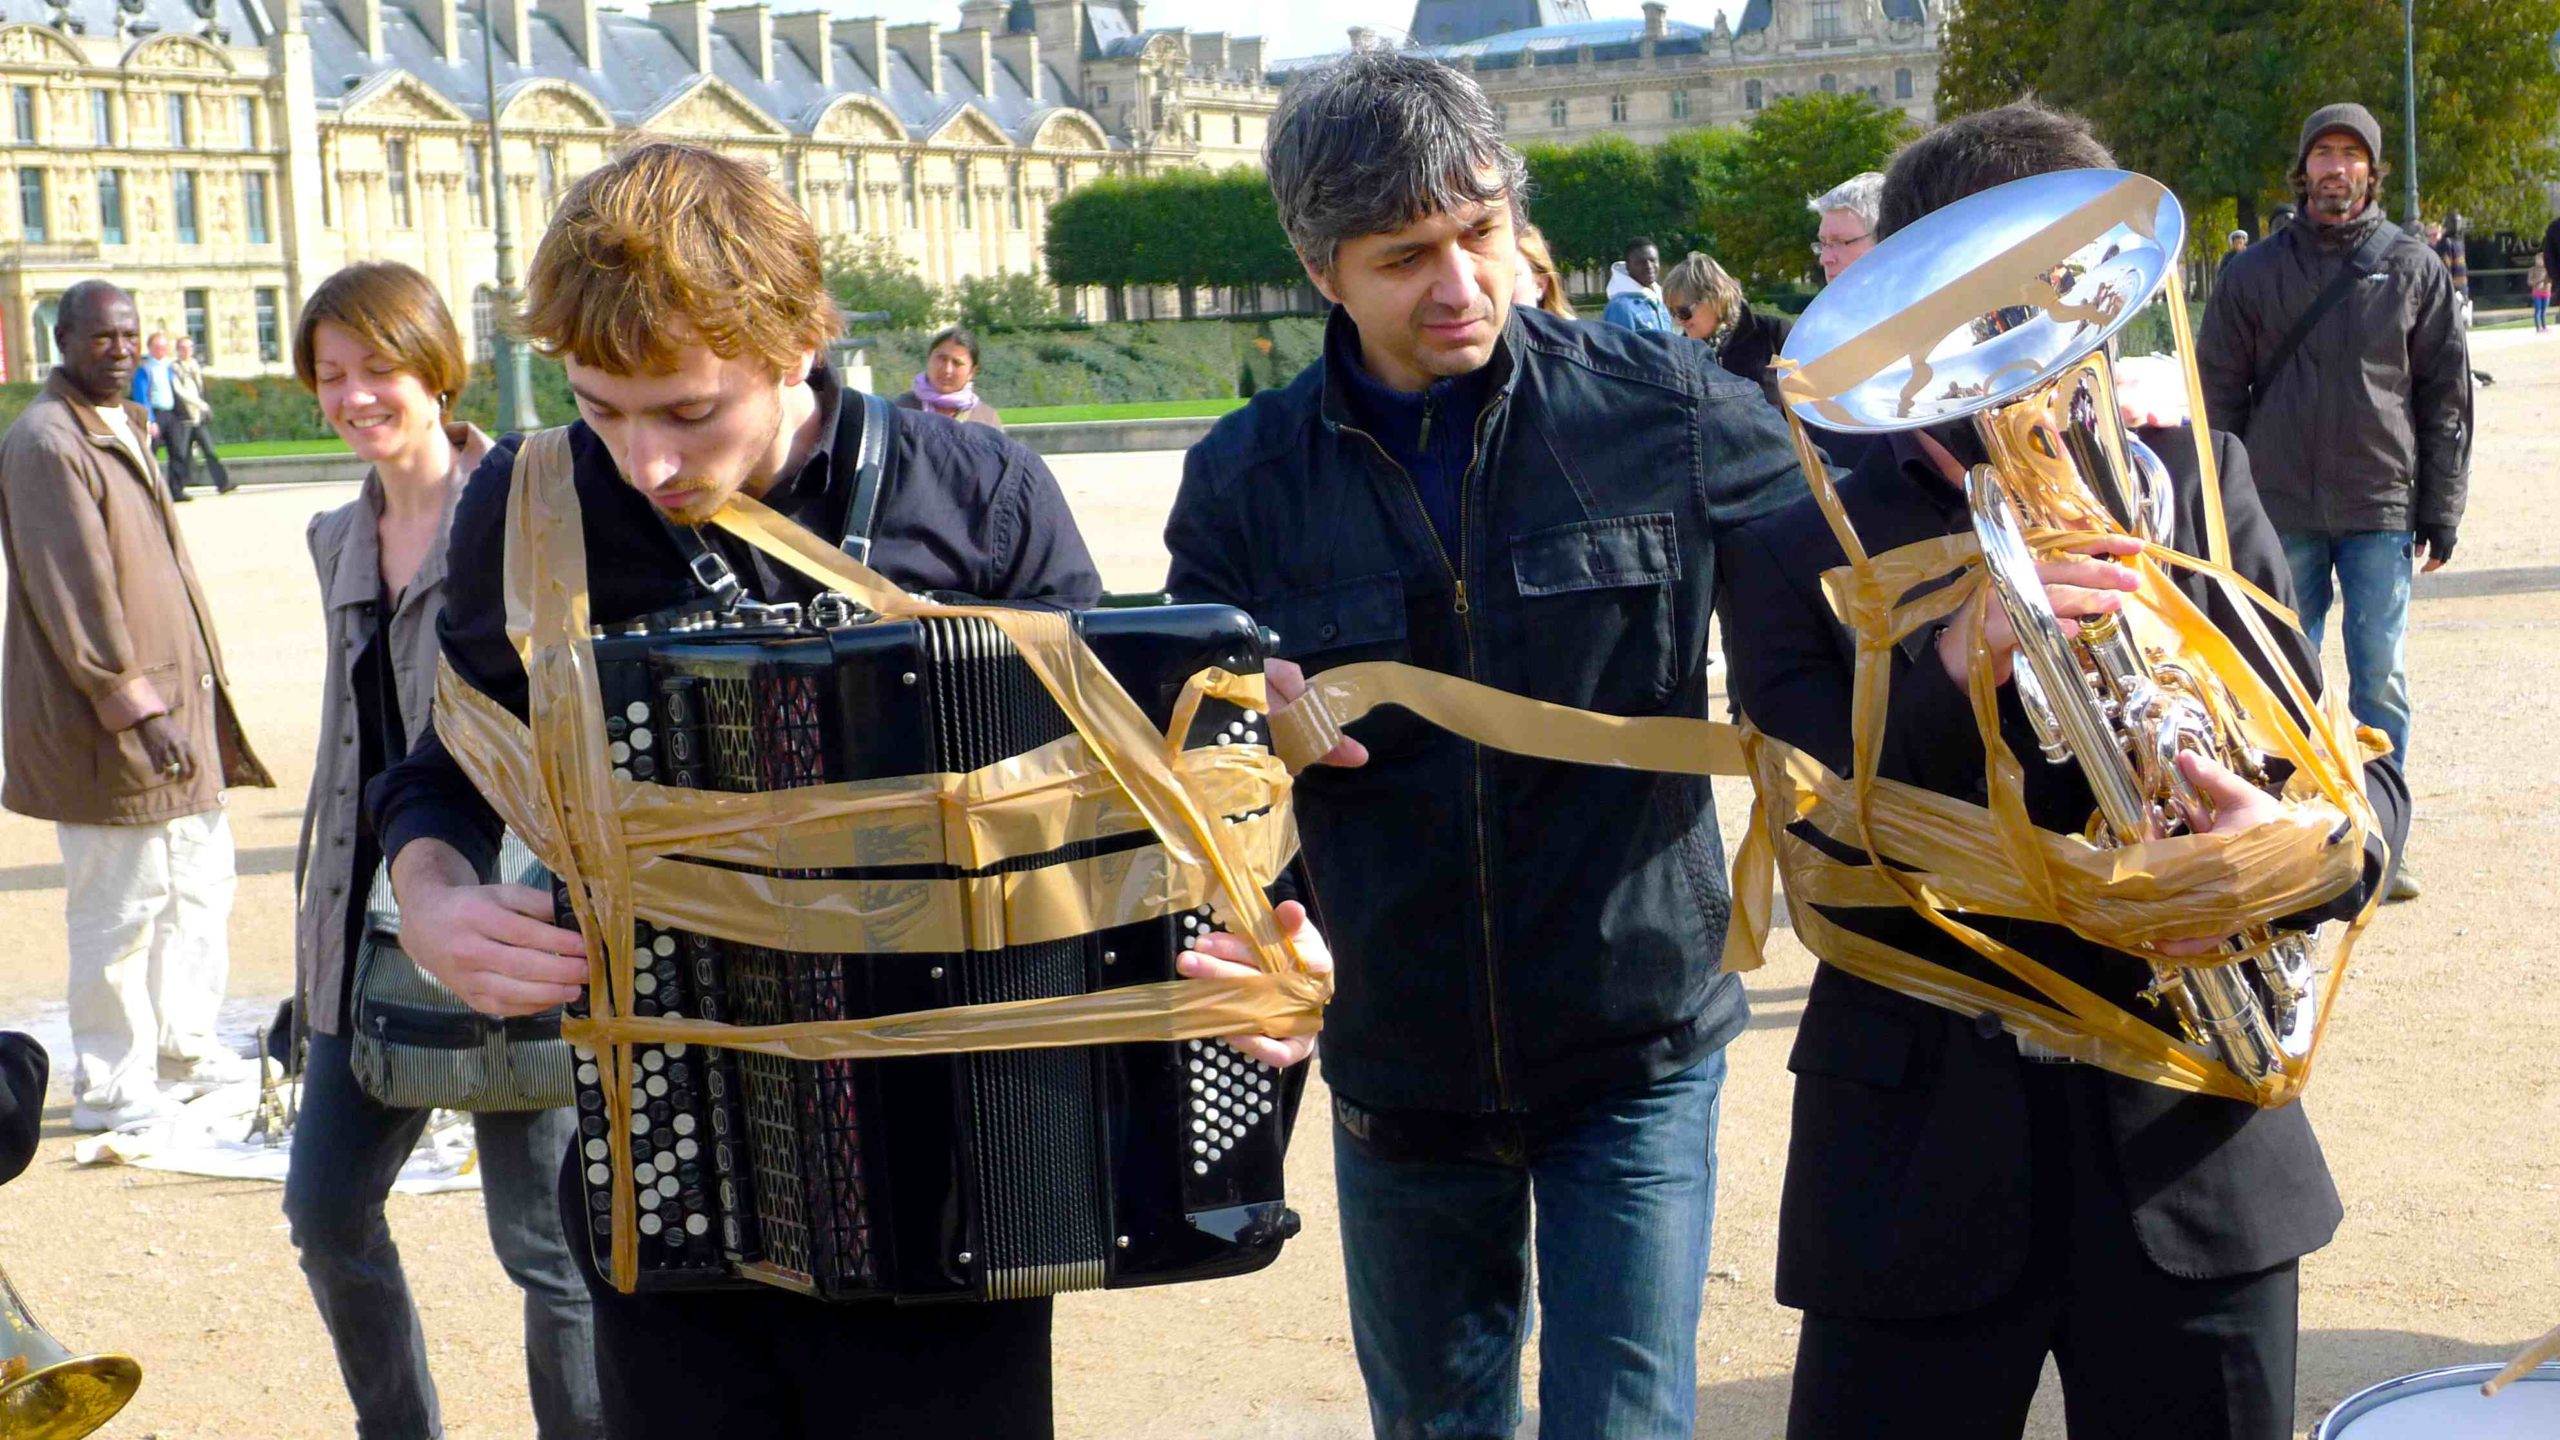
1456 570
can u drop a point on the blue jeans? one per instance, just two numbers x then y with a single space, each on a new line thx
1436 1246
347 1149
2373 575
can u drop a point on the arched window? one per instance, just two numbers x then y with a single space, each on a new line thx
853 192
1902 84
1555 112
1750 94
1617 109
961 185
484 325
1679 104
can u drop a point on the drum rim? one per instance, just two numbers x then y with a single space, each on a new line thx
2364 1401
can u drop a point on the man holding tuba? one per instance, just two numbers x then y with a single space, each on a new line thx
1960 1205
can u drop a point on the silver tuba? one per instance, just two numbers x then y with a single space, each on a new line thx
2001 309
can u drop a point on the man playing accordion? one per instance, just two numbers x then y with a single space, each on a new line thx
682 292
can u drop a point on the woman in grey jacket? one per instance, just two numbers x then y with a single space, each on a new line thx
379 351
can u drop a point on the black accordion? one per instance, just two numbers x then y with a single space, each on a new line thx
996 1175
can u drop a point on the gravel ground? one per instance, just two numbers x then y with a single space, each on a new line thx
2434 1081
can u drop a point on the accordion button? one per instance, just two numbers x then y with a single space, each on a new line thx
675 1052
637 711
697 1224
641 739
582 1052
644 1173
651 1224
649 1201
586 1074
639 1123
620 752
598 1149
657 1085
599 1174
684 1123
667 1186
1199 1167
688 1148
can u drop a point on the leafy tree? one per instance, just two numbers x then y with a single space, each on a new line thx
1591 199
1796 148
870 276
1007 300
2209 95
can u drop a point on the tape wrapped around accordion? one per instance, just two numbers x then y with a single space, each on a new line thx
627 849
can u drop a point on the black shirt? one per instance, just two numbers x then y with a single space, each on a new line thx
963 510
380 740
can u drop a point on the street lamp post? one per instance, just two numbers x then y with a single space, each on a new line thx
2409 101
515 377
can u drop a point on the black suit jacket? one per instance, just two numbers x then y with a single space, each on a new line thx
23 1066
1909 1172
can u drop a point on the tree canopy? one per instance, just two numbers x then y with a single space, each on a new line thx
2209 95
1796 149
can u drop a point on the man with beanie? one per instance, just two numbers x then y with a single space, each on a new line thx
2335 349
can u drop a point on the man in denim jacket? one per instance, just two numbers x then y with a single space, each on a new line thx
1528 1010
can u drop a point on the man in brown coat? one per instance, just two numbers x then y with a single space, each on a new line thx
117 725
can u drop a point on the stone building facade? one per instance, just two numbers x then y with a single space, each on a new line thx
219 158
1566 77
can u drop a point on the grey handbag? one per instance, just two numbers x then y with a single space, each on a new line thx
415 1045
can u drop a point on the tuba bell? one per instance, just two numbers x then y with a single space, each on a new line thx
46 1392
2003 309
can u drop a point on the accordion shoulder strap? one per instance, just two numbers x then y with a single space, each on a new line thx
712 571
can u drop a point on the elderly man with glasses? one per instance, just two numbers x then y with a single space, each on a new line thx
1848 215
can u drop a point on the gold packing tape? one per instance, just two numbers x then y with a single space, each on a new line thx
1938 856
1221 819
1995 857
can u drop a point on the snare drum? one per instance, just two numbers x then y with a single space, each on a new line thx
2447 1405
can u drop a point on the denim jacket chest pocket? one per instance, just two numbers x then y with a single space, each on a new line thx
1341 622
1597 612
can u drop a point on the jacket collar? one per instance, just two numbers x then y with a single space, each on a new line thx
58 385
1334 404
358 579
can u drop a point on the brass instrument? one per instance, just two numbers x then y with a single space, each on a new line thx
2001 309
46 1392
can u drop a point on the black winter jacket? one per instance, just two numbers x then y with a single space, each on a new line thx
1513 934
2369 425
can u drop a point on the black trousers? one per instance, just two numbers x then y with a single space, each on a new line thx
767 1363
2143 1354
177 436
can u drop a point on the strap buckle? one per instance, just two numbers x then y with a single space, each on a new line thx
712 573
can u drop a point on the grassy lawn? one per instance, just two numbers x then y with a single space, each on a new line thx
1142 410
1027 415
264 449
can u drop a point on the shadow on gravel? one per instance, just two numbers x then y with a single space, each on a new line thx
2473 584
2334 1364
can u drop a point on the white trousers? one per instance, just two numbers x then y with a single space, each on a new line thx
149 908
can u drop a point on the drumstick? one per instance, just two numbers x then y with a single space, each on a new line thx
2546 1348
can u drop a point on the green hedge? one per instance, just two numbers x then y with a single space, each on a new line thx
1095 365
276 407
1119 364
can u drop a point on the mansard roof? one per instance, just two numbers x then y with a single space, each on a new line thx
642 67
247 21
1756 16
1552 43
1455 22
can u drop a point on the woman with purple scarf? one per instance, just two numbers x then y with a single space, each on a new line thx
948 386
